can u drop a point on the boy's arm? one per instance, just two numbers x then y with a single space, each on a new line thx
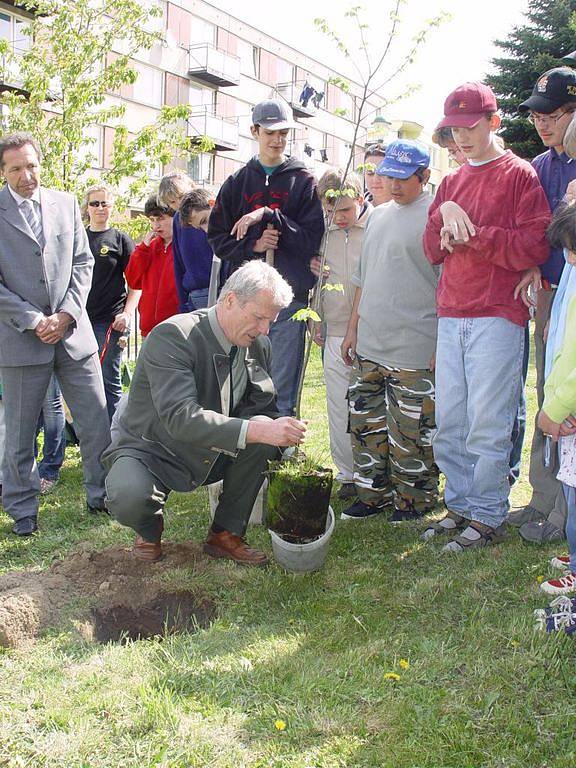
220 225
523 244
348 347
560 401
179 268
303 234
432 234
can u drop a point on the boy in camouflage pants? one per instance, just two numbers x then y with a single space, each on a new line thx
391 341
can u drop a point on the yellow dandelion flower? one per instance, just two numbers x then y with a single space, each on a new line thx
392 676
539 579
403 663
280 725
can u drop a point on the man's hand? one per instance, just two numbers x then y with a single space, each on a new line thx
530 277
348 347
282 432
268 241
315 330
457 228
121 322
248 220
568 426
51 329
548 426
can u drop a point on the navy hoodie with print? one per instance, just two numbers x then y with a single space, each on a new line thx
295 211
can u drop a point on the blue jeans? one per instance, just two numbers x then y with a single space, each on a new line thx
570 496
519 428
53 422
478 381
197 299
111 365
287 338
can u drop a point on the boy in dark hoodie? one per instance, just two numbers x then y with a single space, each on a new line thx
271 205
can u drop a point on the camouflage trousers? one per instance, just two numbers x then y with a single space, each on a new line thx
392 423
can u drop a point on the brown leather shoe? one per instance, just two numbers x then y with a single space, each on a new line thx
233 547
149 550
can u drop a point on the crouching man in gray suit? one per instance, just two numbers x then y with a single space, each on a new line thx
202 408
45 277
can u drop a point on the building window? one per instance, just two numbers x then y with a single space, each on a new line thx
153 23
202 31
284 71
147 88
92 146
200 168
249 58
12 30
199 98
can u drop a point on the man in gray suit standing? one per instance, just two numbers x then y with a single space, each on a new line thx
45 277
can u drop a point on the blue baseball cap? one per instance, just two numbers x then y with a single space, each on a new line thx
403 158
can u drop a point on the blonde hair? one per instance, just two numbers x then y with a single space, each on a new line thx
569 141
90 191
332 180
174 184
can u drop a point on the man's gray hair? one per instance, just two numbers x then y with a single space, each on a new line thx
256 276
17 141
569 140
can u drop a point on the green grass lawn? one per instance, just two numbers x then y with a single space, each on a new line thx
476 686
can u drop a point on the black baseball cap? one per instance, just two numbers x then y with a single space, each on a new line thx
552 89
569 59
273 114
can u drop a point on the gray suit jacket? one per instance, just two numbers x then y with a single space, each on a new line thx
175 419
32 280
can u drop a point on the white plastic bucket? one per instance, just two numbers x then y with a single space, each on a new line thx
301 558
258 510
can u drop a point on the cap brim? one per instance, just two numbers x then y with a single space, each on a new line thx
569 59
540 103
395 172
281 126
460 121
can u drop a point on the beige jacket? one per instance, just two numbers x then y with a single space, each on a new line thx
342 256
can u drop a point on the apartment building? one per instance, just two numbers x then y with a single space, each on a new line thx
221 67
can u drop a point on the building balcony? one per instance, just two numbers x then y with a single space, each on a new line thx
212 65
303 103
223 131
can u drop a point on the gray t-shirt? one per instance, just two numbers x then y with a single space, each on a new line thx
398 324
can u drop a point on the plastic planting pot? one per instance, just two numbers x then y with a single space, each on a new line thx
302 558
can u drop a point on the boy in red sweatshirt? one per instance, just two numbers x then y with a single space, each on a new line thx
151 268
487 224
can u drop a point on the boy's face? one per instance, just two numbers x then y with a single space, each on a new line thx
346 211
476 143
551 128
455 154
162 226
199 219
405 191
271 144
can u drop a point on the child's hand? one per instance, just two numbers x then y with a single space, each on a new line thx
315 331
457 228
268 241
248 220
568 426
548 426
348 347
530 277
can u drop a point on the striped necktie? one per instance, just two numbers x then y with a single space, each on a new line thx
29 212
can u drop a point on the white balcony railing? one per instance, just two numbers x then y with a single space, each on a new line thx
223 131
213 65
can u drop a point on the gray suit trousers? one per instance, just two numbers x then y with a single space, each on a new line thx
24 391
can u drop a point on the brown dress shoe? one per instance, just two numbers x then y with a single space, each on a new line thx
226 544
149 550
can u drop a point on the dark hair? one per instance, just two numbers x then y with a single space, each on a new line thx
196 200
562 230
17 141
153 208
375 149
419 172
443 136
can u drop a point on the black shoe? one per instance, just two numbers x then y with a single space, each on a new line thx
26 526
360 511
97 510
346 491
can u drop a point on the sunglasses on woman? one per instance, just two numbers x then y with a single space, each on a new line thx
97 203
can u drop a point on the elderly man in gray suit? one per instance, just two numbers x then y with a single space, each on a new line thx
45 277
202 408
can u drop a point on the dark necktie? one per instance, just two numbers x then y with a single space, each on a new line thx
233 353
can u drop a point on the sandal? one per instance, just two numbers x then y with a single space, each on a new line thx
487 536
456 523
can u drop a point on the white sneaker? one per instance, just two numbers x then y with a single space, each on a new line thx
561 586
562 562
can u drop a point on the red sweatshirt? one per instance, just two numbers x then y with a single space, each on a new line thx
507 205
151 270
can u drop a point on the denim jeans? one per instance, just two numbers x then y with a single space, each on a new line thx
287 338
570 496
197 299
111 365
478 381
53 422
519 428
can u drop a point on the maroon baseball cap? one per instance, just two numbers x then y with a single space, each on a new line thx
466 105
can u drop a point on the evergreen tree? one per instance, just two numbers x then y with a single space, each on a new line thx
531 49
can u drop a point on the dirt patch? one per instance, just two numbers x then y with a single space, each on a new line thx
109 595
